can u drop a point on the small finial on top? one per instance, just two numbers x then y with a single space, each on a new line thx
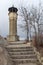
13 5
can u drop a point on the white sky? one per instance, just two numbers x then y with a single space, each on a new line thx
4 5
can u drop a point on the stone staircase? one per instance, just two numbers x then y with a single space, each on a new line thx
22 54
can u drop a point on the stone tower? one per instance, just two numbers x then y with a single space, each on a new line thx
12 24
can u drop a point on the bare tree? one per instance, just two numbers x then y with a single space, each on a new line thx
32 18
37 16
24 14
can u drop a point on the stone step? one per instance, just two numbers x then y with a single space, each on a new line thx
17 42
19 46
24 56
28 64
24 60
22 53
9 50
15 47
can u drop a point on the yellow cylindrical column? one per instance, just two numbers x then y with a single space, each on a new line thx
12 23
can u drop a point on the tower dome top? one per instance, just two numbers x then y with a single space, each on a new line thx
13 9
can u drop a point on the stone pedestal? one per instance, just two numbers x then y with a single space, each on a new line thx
12 38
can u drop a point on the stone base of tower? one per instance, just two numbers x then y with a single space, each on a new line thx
12 38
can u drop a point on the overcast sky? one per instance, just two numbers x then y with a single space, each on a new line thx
4 5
